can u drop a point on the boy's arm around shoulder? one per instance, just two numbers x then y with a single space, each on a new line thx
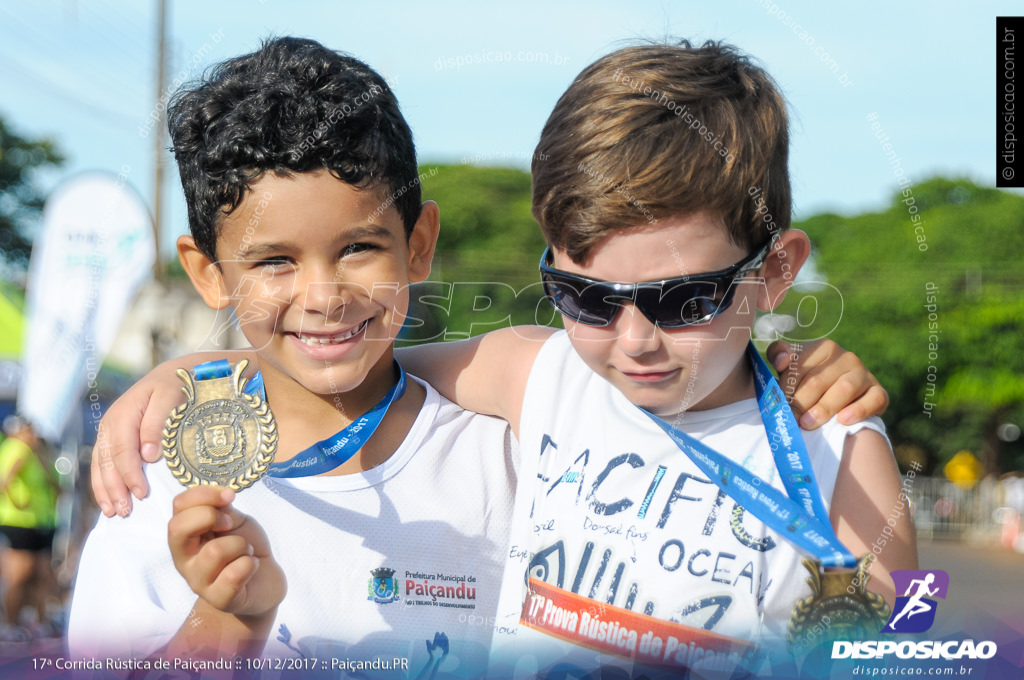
870 508
486 374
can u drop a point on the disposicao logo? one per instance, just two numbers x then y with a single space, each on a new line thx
915 613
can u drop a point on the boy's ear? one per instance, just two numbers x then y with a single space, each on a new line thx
204 273
422 241
786 258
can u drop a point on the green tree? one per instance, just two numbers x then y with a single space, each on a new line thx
939 321
484 274
985 383
20 201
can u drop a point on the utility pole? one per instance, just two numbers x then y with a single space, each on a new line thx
158 138
159 279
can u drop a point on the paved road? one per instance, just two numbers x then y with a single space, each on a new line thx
981 577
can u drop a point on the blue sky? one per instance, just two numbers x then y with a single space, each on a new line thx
81 72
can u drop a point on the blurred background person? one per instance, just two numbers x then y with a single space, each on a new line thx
28 513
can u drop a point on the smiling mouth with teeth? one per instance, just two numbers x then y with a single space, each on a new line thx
323 340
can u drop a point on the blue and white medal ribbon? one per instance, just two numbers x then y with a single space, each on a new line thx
330 453
799 514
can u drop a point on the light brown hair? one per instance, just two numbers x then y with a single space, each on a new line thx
656 131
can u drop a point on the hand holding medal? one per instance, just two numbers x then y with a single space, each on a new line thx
225 436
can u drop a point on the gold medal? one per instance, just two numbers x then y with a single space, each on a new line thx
840 608
221 435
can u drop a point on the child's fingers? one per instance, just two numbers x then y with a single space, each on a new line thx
99 491
190 524
186 528
805 370
803 389
154 417
205 572
232 520
226 592
197 511
228 519
822 397
820 378
779 353
212 495
115 456
872 402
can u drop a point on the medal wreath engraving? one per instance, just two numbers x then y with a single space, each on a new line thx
221 435
840 608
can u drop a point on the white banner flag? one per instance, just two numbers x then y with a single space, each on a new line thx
94 251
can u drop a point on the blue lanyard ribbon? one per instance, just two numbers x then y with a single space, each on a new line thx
213 369
330 453
799 514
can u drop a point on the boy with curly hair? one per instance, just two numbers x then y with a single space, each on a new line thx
347 550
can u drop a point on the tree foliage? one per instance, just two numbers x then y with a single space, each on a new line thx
20 201
941 327
484 274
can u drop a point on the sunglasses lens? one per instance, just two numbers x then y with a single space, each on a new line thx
690 303
583 304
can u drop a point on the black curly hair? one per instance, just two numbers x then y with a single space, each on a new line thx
292 106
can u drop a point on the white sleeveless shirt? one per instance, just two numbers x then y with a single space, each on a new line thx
610 509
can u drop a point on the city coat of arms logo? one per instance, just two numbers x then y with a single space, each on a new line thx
383 586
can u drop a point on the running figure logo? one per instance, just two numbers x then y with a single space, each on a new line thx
914 611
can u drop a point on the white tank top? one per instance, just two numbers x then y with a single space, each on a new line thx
610 509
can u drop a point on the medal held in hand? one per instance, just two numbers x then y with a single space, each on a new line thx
221 435
840 608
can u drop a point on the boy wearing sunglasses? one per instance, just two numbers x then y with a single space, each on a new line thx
657 275
666 500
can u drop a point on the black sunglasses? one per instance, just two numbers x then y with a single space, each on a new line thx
669 303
